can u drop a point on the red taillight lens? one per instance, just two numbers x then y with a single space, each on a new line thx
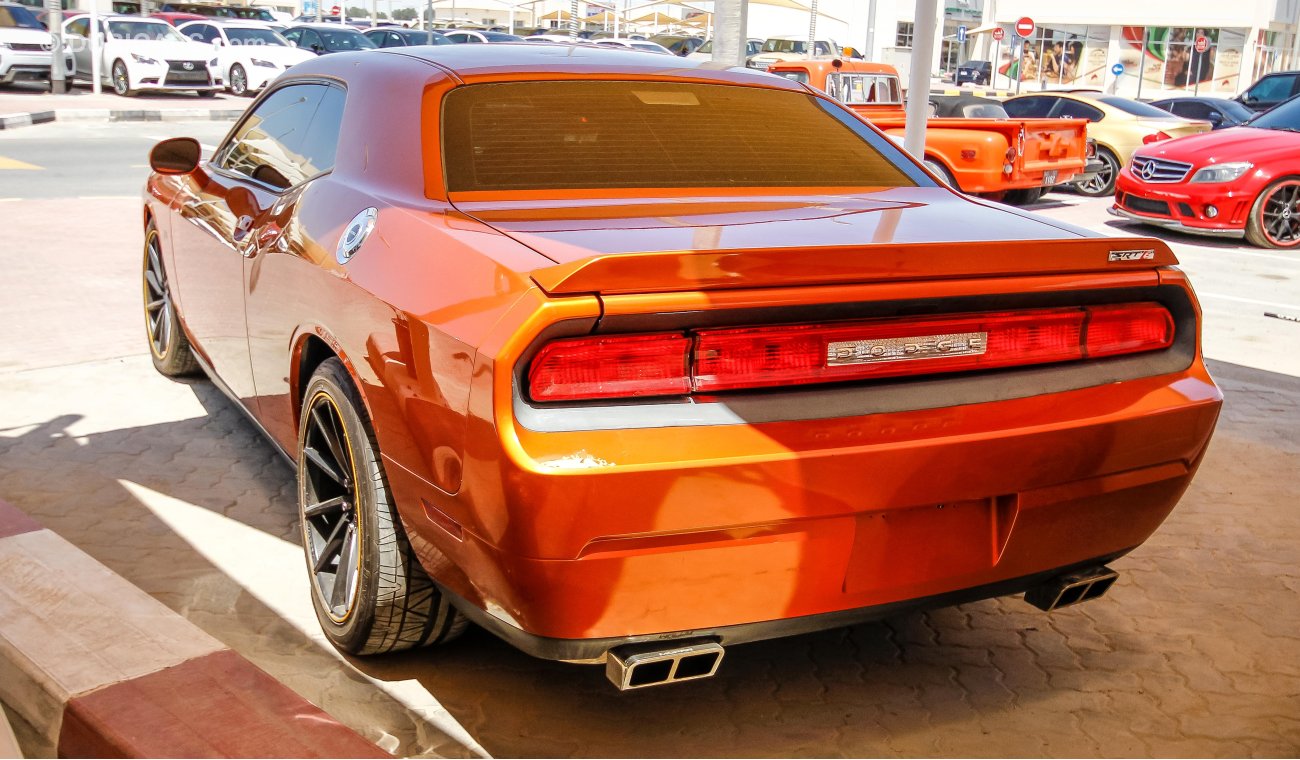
760 357
1157 137
615 366
1128 329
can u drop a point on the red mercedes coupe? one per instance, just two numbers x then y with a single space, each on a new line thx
1239 182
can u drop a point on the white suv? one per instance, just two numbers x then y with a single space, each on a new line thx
25 46
791 48
144 54
249 54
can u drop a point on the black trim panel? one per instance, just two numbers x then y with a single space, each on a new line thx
593 651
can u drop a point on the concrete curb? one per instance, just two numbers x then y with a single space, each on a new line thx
91 666
14 120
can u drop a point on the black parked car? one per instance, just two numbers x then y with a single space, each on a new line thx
389 37
1220 112
975 72
1270 90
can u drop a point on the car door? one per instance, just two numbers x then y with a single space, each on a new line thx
220 211
79 34
277 263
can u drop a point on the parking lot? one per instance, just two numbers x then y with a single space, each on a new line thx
1196 651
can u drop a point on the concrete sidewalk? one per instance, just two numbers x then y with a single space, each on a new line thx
25 106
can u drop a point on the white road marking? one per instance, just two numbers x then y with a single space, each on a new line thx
1239 252
1274 304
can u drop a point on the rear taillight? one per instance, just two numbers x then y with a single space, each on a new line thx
1157 137
615 366
706 361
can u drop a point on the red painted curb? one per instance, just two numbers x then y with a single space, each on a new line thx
215 704
219 705
14 521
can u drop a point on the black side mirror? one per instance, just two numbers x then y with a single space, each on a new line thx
179 155
1215 118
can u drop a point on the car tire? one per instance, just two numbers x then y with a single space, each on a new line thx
942 172
1275 216
121 80
1103 183
1023 197
206 93
238 81
349 522
168 345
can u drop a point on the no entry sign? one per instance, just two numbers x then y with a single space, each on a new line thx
999 33
1202 43
1025 26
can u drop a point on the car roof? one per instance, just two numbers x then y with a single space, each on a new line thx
323 25
532 60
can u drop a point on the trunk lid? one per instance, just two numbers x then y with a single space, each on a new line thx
639 245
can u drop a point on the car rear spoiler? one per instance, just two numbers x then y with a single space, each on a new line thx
670 271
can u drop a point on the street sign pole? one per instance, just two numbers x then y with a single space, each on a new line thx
58 77
96 49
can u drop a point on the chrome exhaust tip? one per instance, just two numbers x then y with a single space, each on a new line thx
1072 588
638 666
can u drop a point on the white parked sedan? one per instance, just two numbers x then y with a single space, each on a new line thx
249 54
645 46
143 54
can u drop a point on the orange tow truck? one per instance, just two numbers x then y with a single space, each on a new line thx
1013 160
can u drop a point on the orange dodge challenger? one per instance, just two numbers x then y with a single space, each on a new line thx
627 360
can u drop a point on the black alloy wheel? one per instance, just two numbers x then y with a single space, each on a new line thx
168 345
370 593
1104 182
329 512
1275 216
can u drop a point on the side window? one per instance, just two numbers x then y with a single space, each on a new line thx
821 48
310 40
1190 109
322 140
292 35
394 40
1273 88
203 33
1033 107
80 27
1073 109
269 142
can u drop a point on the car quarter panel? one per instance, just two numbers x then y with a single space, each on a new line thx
408 308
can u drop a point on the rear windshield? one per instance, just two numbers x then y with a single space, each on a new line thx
1134 107
592 135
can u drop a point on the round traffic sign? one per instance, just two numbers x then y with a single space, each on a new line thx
999 33
1117 69
335 11
1202 43
1025 26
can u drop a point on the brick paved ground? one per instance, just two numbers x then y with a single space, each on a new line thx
1196 651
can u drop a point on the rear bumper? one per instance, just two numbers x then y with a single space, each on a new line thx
621 522
592 651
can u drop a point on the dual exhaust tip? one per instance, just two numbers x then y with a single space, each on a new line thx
1072 588
639 666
